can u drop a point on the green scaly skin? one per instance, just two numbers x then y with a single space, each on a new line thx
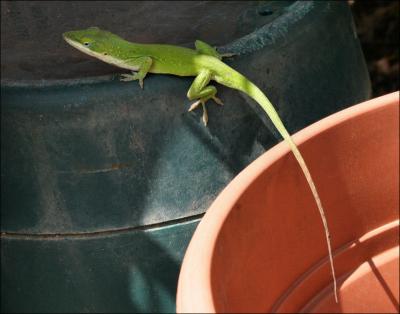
204 63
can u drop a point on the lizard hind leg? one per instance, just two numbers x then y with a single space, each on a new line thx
206 49
202 92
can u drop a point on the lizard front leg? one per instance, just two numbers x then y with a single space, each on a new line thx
144 64
199 90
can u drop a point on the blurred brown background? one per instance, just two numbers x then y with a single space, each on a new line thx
377 25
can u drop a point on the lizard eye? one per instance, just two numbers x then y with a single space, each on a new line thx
86 43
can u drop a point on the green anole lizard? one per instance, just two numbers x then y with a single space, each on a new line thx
204 63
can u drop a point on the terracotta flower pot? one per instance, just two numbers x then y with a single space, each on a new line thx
261 245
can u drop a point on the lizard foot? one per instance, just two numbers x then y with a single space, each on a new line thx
228 55
217 100
131 77
203 104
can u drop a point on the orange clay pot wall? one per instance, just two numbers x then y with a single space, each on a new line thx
261 246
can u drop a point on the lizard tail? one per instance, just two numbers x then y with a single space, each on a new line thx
254 92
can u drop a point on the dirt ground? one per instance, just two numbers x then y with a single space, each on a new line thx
377 25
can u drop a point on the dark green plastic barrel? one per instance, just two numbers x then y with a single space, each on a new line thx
102 183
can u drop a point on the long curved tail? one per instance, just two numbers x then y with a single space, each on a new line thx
254 92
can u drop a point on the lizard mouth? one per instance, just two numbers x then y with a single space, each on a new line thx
76 44
102 56
82 48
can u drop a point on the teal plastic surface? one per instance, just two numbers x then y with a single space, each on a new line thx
103 183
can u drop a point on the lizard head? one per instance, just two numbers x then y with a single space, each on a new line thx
96 42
